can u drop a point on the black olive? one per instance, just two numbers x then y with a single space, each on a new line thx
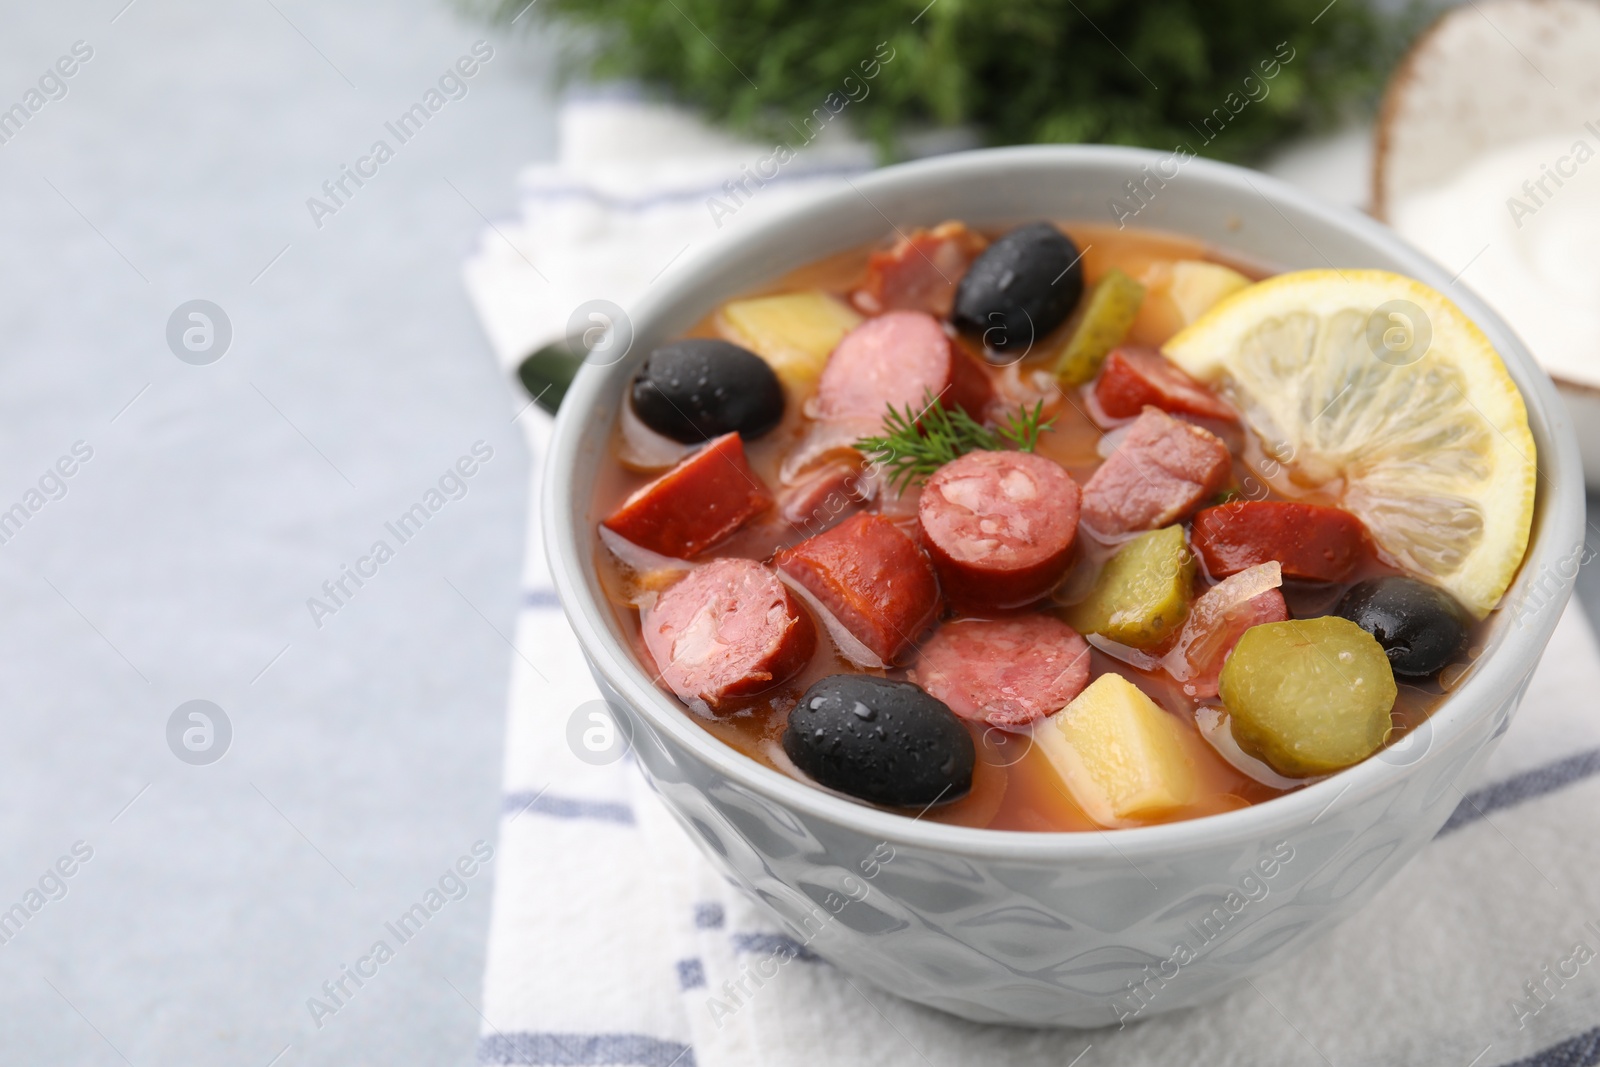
881 741
700 388
1420 626
1022 287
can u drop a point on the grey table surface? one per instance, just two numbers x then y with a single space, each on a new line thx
176 563
367 757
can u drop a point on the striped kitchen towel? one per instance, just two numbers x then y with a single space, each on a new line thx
613 943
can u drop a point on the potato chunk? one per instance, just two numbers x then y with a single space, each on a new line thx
794 332
1120 756
1180 292
1198 286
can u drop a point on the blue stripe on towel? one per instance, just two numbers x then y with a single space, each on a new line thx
578 1050
540 598
708 916
567 808
774 944
1525 786
1580 1051
691 974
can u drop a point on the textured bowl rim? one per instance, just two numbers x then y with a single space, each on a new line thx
1558 522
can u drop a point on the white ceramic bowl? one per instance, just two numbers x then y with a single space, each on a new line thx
1041 928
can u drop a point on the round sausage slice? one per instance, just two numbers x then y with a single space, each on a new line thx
729 629
1006 672
896 360
999 527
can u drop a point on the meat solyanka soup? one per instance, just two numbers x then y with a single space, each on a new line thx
1065 527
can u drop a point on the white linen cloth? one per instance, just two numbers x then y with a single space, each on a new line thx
610 935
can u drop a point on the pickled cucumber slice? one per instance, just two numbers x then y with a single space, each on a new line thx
1112 306
794 332
1308 696
1142 594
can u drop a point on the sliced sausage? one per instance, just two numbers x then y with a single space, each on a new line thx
694 505
871 580
728 629
1310 541
1216 621
1162 471
920 272
898 359
1134 378
1006 672
999 526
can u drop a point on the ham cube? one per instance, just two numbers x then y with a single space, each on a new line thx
1161 472
920 272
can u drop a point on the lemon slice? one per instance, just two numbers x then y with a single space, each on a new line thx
1378 392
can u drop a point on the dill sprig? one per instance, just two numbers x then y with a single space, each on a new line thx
915 444
886 67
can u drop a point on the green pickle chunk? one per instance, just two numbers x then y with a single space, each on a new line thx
1142 594
1308 696
1112 306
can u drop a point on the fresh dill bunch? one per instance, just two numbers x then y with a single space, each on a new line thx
913 446
1213 75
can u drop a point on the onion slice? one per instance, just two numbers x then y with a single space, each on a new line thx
1133 657
643 449
648 572
1211 616
821 438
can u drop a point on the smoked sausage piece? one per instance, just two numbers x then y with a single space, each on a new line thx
702 500
1135 377
872 580
1308 540
999 527
728 629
